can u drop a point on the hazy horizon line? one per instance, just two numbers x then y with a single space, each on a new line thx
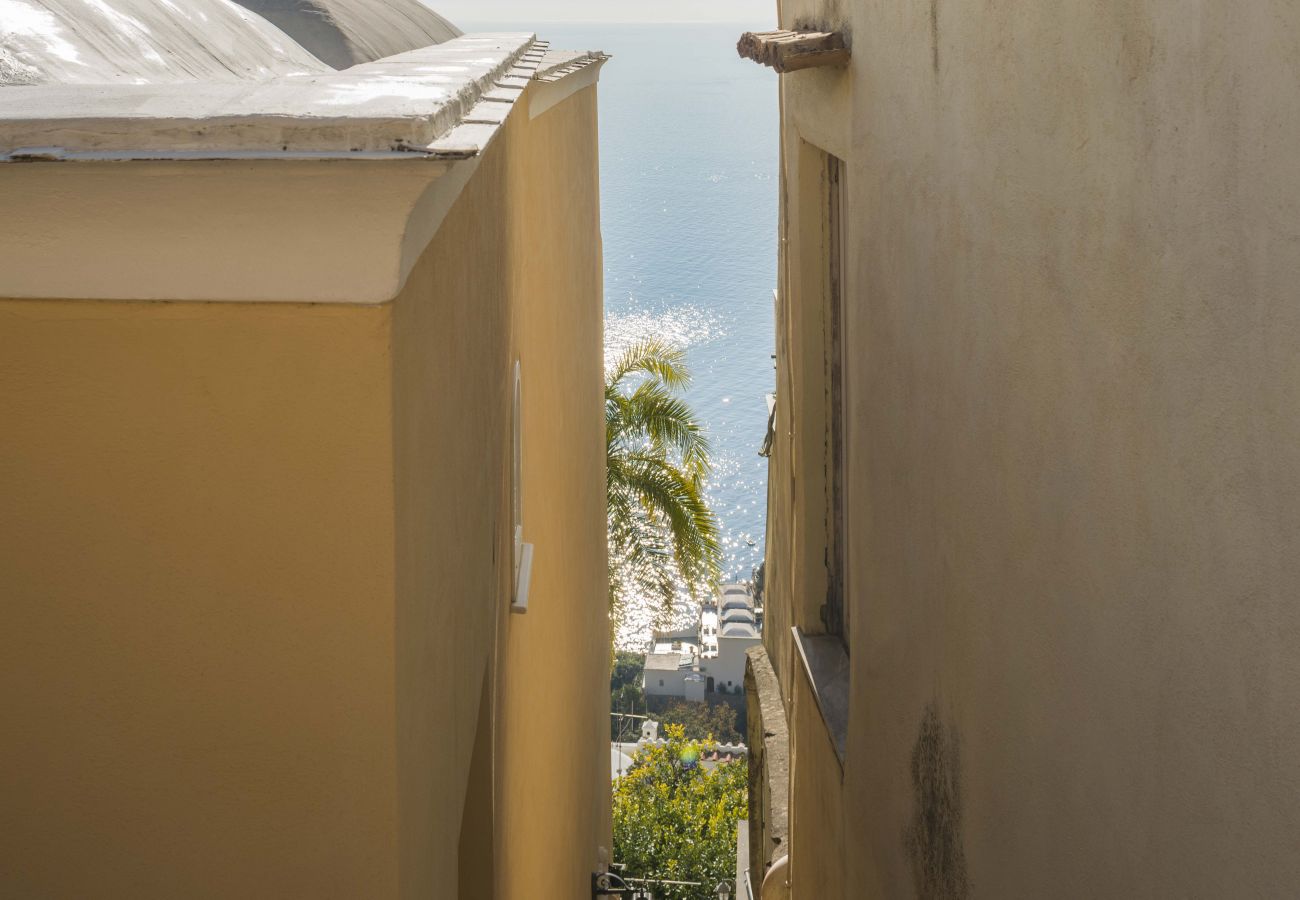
613 22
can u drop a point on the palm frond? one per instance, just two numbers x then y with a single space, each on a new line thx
669 424
674 500
654 358
662 533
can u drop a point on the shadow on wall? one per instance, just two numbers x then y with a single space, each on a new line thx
933 837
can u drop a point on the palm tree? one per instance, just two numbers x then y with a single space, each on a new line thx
661 531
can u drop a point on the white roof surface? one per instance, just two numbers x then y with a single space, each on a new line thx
402 103
660 662
164 79
142 42
343 33
621 757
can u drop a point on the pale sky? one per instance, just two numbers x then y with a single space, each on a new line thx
606 10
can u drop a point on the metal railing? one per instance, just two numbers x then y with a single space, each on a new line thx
610 884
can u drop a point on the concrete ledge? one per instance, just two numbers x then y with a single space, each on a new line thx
560 74
768 735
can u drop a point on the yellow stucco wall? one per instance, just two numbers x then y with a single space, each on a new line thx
817 848
1074 492
554 801
451 362
197 571
256 561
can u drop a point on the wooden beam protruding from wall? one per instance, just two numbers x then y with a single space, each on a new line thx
789 51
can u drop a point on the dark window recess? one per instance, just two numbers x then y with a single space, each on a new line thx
834 613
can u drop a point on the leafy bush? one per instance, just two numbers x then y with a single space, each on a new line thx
627 669
626 695
674 820
702 721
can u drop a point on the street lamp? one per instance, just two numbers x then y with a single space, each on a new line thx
724 891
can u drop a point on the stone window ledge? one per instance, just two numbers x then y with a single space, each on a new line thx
826 665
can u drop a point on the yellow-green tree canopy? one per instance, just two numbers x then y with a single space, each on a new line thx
674 820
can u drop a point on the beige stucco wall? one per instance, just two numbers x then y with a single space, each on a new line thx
1074 475
256 558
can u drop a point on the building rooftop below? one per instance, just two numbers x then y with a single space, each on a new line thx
621 757
670 661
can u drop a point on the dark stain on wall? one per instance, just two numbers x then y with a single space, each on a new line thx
830 17
934 35
933 837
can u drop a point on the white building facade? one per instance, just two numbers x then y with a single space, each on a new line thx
715 662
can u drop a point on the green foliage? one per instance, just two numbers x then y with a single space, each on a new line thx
627 699
626 695
627 669
675 820
702 721
661 531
